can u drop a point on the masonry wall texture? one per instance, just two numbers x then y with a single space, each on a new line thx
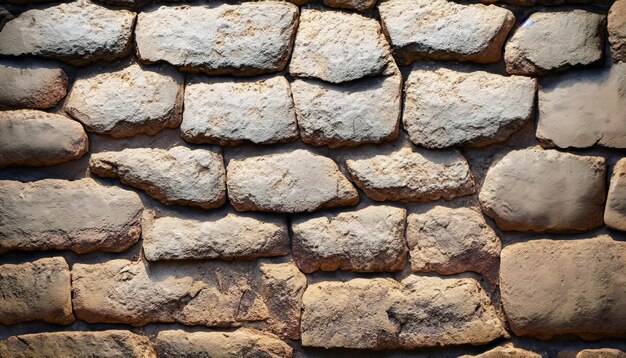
312 179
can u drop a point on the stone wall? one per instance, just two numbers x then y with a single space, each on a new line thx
352 178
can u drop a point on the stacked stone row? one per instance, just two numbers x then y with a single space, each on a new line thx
283 112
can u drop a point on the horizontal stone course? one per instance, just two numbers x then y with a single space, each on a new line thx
33 84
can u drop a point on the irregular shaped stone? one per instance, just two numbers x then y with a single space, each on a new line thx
231 236
38 290
617 30
211 293
557 287
229 112
105 344
593 353
507 351
36 138
77 32
82 216
31 84
444 30
246 39
366 240
358 5
615 210
450 241
545 191
243 342
584 108
337 46
146 100
444 107
363 111
288 182
178 175
408 174
555 41
382 313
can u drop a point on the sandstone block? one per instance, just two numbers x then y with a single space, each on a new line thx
31 84
545 191
366 240
594 353
505 352
617 30
80 215
358 5
615 210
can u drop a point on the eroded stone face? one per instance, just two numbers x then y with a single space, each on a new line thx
32 84
617 30
358 5
615 210
505 352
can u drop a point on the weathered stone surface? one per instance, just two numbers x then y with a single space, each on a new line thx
450 241
545 191
617 30
555 287
444 107
243 342
408 174
245 39
615 210
228 237
505 352
363 111
128 101
382 313
178 175
555 41
125 3
366 240
444 30
38 290
593 353
227 112
105 344
31 84
288 182
77 32
358 5
338 47
584 108
35 138
212 293
80 215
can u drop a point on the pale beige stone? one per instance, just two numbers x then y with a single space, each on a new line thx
617 30
30 83
615 210
507 351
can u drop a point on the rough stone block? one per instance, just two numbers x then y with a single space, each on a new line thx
31 84
615 210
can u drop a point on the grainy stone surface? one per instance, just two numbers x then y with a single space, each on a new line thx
445 107
358 5
615 210
243 342
382 313
80 215
505 352
228 112
288 182
77 32
30 83
444 30
584 108
36 138
617 30
125 3
363 111
555 41
210 293
245 39
104 344
365 240
127 100
38 290
545 191
337 46
408 174
226 237
556 287
594 353
178 175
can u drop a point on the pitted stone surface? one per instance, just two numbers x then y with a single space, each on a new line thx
444 30
337 46
615 210
77 32
444 107
555 41
38 290
366 240
545 191
127 101
617 30
36 138
178 175
505 352
358 5
32 84
82 216
229 112
288 182
246 39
